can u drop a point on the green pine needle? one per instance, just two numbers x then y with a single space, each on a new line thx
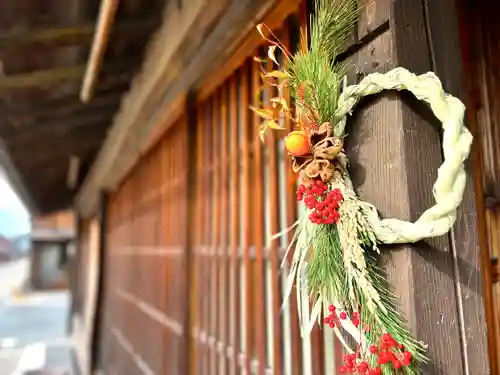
316 82
327 279
316 77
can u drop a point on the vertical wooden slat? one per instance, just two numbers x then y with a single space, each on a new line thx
179 218
215 261
223 233
168 223
208 252
274 209
258 236
196 295
159 275
291 213
235 229
206 225
247 221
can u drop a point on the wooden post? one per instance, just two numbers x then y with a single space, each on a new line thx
187 344
394 148
96 341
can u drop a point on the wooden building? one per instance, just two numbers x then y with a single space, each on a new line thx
176 271
52 239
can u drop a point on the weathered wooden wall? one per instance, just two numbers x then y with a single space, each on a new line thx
394 147
191 273
480 35
58 220
145 299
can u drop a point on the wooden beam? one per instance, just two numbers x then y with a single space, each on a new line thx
73 171
106 17
54 198
41 77
39 164
61 128
50 77
43 116
109 86
74 35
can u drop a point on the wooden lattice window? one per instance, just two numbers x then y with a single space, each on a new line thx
245 192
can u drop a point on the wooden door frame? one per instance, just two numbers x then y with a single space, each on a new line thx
96 334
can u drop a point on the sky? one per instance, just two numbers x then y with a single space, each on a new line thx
14 218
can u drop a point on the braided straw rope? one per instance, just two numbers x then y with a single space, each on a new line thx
449 187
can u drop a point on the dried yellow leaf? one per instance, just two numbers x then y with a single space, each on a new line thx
270 52
264 113
281 101
262 134
260 29
274 125
277 74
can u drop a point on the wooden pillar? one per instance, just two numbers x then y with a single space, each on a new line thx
74 270
186 364
394 148
35 266
96 344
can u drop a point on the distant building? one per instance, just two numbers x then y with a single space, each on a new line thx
7 249
51 239
22 243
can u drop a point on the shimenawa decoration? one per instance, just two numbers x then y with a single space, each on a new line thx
334 266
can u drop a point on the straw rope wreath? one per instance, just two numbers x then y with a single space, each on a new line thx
449 187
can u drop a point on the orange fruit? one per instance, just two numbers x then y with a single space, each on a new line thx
297 143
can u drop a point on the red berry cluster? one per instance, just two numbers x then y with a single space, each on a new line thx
390 351
361 367
324 203
330 319
387 351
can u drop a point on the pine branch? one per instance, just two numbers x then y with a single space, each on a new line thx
328 280
390 320
315 77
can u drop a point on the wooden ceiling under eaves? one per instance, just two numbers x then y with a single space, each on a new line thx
44 48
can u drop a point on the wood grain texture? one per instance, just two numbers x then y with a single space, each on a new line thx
373 14
247 220
423 274
259 291
189 239
71 35
443 32
235 181
272 216
215 218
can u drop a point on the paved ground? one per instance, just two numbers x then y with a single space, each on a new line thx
32 328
